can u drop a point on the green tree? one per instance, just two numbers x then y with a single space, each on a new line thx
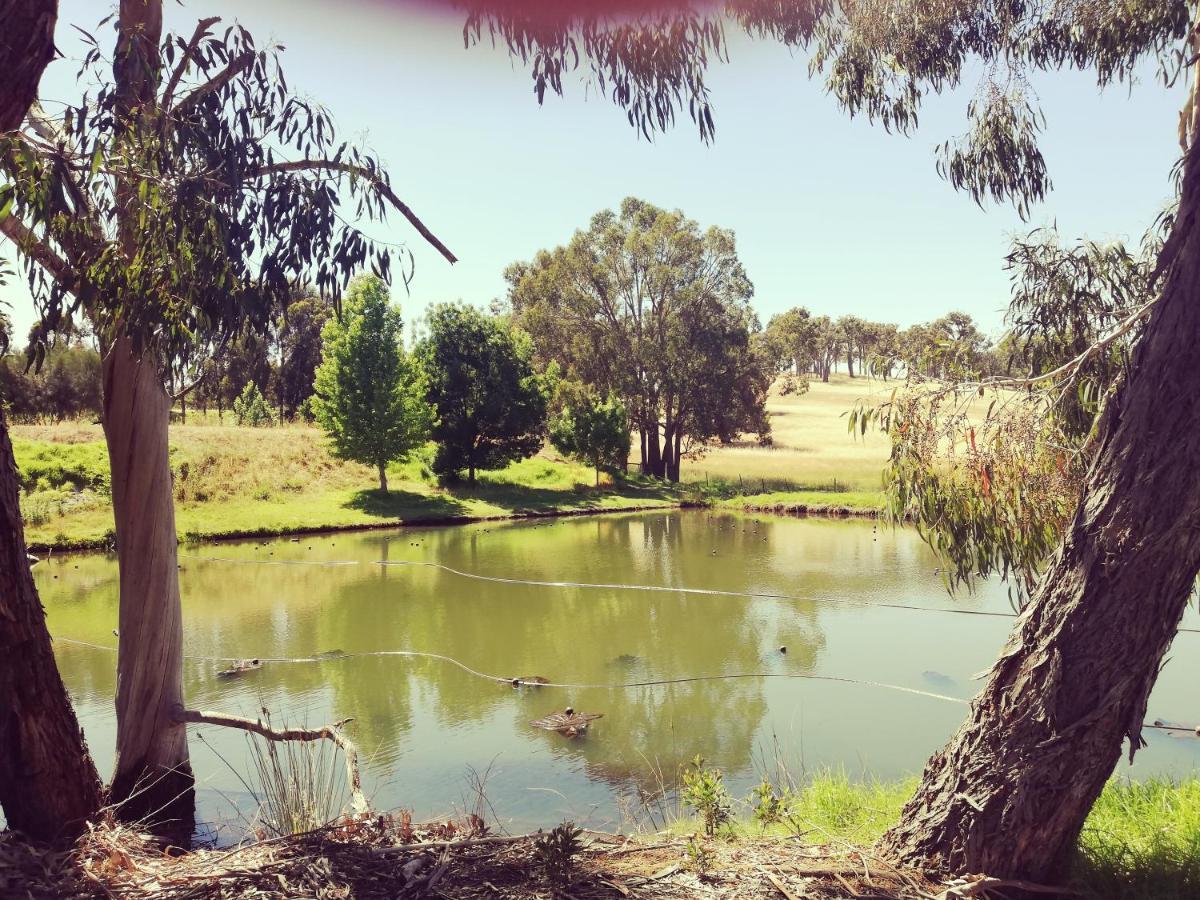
647 305
593 431
369 398
250 408
299 351
124 216
489 403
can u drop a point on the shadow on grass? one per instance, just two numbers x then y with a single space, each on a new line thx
459 499
406 505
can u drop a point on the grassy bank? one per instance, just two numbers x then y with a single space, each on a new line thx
232 481
1142 839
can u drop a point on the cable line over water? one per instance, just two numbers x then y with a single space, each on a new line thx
753 595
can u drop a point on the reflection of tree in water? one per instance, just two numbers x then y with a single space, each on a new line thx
569 634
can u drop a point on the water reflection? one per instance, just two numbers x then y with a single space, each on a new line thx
421 722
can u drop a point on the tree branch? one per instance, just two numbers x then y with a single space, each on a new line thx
256 726
201 31
40 252
236 66
385 190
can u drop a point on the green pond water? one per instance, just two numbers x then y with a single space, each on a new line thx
422 723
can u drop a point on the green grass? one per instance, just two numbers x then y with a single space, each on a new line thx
233 481
1142 839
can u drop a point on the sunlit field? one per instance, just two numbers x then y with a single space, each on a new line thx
812 448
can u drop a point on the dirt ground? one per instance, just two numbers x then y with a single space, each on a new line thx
382 858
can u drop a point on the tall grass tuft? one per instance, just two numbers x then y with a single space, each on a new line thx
299 785
1142 839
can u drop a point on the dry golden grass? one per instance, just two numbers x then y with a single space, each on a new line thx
813 448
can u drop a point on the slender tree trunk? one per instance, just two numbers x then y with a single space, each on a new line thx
1009 793
48 784
850 363
183 410
471 474
642 439
383 477
153 777
678 453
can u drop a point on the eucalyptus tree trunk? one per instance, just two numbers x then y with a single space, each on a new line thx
153 776
25 50
152 780
1009 793
48 784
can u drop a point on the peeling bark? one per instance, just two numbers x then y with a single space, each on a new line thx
48 784
153 776
1009 793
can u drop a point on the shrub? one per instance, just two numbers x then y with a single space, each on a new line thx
251 408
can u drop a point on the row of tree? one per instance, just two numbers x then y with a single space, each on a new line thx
469 385
944 348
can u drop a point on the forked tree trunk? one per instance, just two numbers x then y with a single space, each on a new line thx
1009 794
153 777
48 784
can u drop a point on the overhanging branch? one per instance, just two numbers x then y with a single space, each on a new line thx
384 189
41 253
236 66
256 726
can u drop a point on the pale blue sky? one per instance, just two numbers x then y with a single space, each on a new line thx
829 212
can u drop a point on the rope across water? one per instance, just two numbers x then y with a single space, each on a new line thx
499 679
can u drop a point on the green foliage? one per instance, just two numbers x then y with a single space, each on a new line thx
65 386
704 792
490 404
368 394
250 408
593 431
161 243
647 306
556 852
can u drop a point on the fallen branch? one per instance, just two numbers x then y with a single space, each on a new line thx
326 732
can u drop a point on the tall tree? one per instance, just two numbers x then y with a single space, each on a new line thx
369 398
489 403
299 351
645 304
174 206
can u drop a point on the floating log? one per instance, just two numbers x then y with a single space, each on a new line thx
240 668
568 722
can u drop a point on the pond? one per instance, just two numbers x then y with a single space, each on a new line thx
831 592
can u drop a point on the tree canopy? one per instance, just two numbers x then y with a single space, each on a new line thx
369 397
647 305
488 401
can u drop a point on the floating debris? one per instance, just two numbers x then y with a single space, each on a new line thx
568 722
530 681
331 654
240 667
626 659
